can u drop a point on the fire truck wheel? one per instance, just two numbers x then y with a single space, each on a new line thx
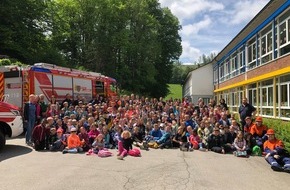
2 140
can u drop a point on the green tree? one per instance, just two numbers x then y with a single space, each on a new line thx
133 41
170 45
23 26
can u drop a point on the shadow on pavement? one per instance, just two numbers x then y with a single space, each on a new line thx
10 151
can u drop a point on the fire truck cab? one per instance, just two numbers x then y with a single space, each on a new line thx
11 124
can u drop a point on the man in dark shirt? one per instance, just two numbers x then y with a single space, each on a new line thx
246 110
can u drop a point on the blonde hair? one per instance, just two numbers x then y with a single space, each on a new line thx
126 132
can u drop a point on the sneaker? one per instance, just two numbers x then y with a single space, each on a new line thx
64 151
202 149
120 157
286 169
29 144
142 147
190 149
277 168
145 145
183 149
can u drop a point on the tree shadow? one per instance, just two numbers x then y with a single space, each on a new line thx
10 151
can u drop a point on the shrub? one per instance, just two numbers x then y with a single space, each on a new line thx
5 62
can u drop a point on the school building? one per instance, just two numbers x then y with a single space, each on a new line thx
256 64
199 84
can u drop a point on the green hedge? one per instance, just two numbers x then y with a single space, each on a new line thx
10 62
282 129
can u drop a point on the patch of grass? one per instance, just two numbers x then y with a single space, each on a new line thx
175 92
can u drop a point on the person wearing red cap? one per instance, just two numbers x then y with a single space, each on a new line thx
276 155
258 131
249 124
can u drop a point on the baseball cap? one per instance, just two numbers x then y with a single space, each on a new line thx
270 132
73 129
59 130
259 118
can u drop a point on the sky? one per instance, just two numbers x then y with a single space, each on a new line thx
209 25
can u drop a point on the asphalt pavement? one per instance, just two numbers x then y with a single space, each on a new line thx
23 168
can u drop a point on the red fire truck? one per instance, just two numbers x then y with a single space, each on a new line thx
11 124
48 79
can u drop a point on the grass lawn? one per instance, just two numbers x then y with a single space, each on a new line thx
175 91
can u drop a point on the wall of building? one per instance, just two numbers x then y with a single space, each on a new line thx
199 83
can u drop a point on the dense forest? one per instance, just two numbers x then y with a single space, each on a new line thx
136 42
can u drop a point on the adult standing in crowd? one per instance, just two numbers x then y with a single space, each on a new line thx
223 104
246 110
29 118
67 99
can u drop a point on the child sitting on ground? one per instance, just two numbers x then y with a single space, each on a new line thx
93 133
51 138
124 144
74 144
180 140
240 145
107 138
98 144
60 142
193 138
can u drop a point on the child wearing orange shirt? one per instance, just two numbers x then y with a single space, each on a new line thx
74 144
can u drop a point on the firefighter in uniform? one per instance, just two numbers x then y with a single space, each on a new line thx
276 155
258 131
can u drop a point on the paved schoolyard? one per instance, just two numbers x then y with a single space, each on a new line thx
23 168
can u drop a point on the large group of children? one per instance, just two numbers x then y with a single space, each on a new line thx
126 122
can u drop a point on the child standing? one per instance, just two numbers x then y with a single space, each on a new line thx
124 144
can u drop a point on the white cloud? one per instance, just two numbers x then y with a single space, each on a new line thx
193 29
244 11
186 9
208 25
189 52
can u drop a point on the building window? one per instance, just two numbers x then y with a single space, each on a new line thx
233 104
252 94
227 69
252 53
266 94
284 33
222 74
240 61
234 65
266 44
283 96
